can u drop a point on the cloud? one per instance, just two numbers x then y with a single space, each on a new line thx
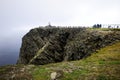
40 12
17 17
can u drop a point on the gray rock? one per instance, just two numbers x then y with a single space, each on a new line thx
56 75
65 44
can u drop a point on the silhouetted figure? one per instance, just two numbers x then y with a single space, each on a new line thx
109 26
97 26
49 25
117 26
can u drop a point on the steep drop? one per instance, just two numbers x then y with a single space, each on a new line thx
49 45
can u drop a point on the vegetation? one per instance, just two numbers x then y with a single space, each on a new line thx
104 29
102 65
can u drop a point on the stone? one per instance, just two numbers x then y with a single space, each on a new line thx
65 44
56 75
53 75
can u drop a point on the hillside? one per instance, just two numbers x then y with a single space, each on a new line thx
46 45
104 64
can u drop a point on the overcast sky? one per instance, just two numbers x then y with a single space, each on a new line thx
18 16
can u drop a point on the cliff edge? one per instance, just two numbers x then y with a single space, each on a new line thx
45 45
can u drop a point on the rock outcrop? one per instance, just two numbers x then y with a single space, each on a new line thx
49 45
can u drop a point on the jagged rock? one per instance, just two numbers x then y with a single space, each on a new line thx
50 45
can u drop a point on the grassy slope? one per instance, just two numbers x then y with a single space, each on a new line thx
102 65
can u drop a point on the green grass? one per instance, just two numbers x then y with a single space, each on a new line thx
41 74
104 29
102 65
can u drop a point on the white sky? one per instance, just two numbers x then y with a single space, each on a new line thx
19 13
18 16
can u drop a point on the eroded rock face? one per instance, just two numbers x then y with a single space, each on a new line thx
50 45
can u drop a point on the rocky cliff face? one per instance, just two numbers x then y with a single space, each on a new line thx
50 45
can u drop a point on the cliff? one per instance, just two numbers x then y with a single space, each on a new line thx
50 45
101 65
